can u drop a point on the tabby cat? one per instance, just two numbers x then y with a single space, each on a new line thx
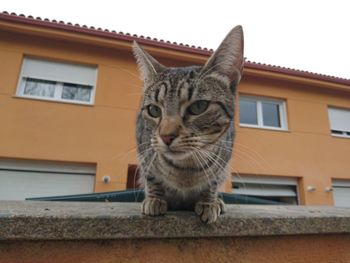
185 130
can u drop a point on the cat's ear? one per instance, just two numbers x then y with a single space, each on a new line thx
149 67
228 59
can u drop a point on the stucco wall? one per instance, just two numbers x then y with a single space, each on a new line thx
104 133
307 150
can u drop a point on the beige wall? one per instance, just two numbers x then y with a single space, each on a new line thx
104 133
307 150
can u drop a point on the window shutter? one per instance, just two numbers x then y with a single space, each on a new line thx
265 190
265 186
60 72
272 180
339 119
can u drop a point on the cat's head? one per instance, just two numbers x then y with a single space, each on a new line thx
189 108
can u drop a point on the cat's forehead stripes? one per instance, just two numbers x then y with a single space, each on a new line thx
175 85
190 92
183 92
160 92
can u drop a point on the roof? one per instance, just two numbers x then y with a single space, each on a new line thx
105 33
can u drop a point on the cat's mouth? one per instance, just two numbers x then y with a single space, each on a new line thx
176 153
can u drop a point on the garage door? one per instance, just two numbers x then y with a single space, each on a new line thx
273 188
20 179
341 193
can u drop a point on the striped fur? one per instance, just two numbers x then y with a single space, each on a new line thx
187 173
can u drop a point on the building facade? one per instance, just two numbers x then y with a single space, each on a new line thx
69 96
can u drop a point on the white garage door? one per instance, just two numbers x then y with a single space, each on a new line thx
274 188
20 179
341 193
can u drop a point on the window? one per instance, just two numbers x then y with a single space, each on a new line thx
339 121
49 80
262 113
279 189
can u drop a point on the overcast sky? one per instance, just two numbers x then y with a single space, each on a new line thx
307 35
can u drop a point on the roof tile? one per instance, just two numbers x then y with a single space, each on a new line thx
166 44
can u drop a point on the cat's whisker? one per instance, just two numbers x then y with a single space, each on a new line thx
142 156
226 148
208 154
242 145
133 149
123 154
200 153
139 156
255 172
140 153
243 183
252 166
244 156
228 165
221 167
200 163
255 152
248 156
128 72
151 162
240 177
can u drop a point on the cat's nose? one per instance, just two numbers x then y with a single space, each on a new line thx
169 138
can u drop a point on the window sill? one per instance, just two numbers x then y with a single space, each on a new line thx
340 136
55 101
263 127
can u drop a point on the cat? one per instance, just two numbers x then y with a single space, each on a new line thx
185 129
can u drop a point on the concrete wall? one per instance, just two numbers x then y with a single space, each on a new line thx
112 232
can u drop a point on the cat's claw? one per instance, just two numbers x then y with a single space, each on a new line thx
152 206
209 212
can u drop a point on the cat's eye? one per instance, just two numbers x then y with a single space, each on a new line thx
154 111
198 107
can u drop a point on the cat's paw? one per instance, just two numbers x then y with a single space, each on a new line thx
152 206
209 212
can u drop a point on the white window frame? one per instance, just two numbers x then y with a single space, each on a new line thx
345 134
58 88
341 183
259 101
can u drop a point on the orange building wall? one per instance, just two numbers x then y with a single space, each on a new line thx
104 133
307 150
